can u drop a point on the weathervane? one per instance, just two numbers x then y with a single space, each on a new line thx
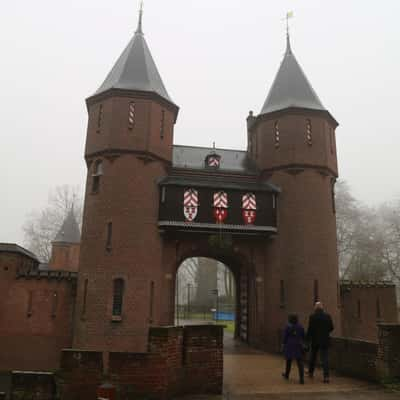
289 15
139 28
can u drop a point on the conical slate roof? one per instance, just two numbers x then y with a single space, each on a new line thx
69 231
135 69
291 87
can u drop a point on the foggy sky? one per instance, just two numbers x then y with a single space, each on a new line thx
217 59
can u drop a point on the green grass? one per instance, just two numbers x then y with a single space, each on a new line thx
229 325
392 384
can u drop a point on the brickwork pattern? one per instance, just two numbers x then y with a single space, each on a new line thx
35 316
388 360
179 361
374 361
365 305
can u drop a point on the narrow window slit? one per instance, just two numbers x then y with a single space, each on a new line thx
109 236
118 294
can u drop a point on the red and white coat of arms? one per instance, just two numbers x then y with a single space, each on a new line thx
220 207
249 207
190 204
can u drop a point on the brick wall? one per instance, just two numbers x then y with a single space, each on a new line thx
354 357
35 316
179 360
364 305
202 359
30 385
65 257
388 360
81 373
369 360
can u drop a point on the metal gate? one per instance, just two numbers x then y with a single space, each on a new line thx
244 305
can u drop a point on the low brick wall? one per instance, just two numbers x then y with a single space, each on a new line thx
32 386
186 360
356 358
80 374
203 360
369 360
388 358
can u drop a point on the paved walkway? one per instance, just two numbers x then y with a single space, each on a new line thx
252 374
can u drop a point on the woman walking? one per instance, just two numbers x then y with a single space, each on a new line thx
293 342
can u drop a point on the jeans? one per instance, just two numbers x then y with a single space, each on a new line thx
323 353
300 366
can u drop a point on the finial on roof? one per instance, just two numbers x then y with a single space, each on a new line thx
139 28
289 14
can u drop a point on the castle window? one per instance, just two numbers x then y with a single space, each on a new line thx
331 139
109 236
99 118
163 194
358 309
333 182
277 134
378 309
282 294
151 302
162 124
131 115
316 291
85 290
308 132
118 294
54 304
30 302
96 176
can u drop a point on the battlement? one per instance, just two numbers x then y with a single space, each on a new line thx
366 284
47 274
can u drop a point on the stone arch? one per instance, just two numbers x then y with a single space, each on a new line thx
243 270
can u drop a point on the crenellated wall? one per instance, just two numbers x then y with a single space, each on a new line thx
35 314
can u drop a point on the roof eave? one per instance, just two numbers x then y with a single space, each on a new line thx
95 98
294 110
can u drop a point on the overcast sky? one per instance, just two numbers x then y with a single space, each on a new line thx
217 59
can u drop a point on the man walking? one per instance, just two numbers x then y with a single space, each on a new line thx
320 326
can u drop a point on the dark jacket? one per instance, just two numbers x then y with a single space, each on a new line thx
293 340
320 326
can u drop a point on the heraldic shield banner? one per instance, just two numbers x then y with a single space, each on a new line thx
220 207
190 204
249 207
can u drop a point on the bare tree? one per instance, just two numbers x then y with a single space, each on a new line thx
41 227
348 216
390 217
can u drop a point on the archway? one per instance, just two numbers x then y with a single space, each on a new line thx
235 312
205 292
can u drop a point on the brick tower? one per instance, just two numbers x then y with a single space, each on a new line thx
66 245
292 141
128 148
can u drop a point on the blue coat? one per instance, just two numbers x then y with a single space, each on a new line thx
293 339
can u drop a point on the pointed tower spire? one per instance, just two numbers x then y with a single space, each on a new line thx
140 21
288 48
69 231
291 87
135 69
